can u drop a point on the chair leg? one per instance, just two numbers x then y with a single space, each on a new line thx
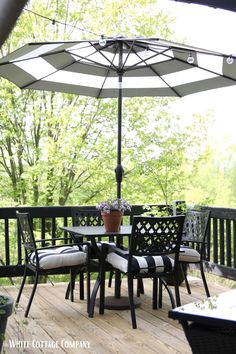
110 279
177 295
70 290
93 297
32 294
102 292
21 287
81 285
88 290
131 301
169 293
184 269
204 280
140 287
67 294
72 285
160 294
154 293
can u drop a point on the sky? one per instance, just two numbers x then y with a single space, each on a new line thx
212 29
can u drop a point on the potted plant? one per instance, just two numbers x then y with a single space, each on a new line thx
6 304
112 211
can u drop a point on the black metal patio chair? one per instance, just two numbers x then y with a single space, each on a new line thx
87 217
42 260
196 226
152 242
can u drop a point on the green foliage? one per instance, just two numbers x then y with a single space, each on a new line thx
157 211
58 149
3 300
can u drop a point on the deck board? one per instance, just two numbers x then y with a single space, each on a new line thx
54 321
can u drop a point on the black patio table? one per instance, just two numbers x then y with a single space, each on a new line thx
209 324
93 233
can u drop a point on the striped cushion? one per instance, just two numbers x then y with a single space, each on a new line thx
145 264
57 257
93 254
189 255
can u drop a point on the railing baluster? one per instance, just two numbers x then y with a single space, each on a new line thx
19 249
7 242
234 243
65 220
215 240
43 231
228 243
222 242
53 230
221 252
208 250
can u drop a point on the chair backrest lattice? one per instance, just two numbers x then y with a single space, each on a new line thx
196 225
26 231
156 235
27 235
86 217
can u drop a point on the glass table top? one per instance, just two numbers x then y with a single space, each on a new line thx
221 307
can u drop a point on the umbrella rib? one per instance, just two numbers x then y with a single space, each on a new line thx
132 67
102 66
132 46
177 59
129 52
107 71
65 66
155 72
93 61
202 68
111 62
197 66
43 77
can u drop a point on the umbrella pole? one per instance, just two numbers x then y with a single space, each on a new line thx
119 169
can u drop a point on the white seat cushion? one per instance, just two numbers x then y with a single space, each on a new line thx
99 244
57 257
189 255
145 264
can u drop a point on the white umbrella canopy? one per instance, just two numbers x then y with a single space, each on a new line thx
117 67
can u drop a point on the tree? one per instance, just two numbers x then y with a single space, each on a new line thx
59 148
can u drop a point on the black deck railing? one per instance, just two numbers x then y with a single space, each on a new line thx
46 221
220 255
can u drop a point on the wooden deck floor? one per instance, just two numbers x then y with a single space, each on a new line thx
59 323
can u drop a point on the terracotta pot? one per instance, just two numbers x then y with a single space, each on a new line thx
112 220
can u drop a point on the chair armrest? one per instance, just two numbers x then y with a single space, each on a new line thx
55 246
53 239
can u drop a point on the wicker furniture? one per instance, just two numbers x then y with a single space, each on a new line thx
209 325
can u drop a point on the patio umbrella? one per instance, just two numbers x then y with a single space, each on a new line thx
117 67
10 10
222 4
